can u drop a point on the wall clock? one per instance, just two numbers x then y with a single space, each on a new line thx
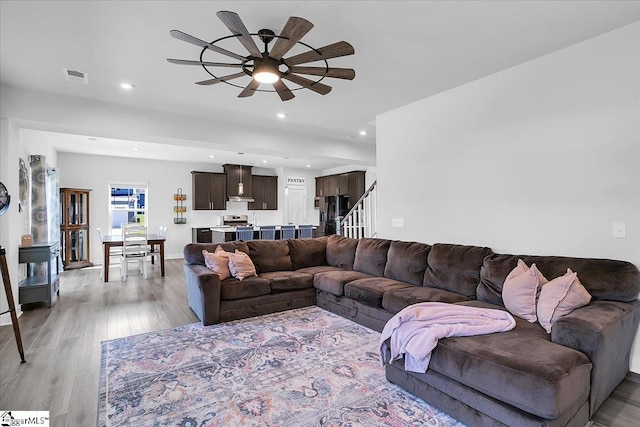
5 198
23 179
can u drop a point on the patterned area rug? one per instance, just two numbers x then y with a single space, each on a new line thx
304 367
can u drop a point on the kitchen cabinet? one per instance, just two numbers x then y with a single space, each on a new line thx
236 175
209 191
201 235
74 228
342 184
320 186
265 193
330 185
356 187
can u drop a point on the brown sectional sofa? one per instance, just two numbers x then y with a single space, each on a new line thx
523 377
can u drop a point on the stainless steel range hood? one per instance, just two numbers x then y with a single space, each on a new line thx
240 199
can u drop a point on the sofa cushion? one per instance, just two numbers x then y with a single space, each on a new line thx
233 288
455 268
604 279
218 262
288 280
269 255
241 266
334 281
341 251
396 300
520 367
319 269
521 289
407 261
369 291
371 256
307 252
193 251
560 297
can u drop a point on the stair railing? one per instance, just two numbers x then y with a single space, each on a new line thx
360 221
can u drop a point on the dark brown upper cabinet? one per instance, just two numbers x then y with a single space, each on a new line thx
209 190
265 193
239 183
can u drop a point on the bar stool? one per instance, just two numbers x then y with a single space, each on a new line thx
305 231
244 233
287 232
268 232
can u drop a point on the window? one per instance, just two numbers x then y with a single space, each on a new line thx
127 204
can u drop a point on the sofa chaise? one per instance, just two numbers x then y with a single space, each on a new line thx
523 377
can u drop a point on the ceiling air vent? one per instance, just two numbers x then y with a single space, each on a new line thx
76 76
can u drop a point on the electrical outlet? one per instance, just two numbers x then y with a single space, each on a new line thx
619 230
397 222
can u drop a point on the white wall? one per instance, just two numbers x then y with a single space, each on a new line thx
537 159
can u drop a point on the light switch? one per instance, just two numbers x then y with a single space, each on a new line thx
619 230
397 222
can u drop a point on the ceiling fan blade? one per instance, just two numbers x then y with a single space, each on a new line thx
338 73
309 84
209 64
236 26
221 79
294 30
250 89
283 91
176 34
327 52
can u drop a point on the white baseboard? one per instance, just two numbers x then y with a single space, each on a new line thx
634 365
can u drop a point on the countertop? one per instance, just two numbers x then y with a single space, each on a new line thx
231 229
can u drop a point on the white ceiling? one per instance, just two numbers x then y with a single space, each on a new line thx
405 51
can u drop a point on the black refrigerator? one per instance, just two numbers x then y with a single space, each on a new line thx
333 209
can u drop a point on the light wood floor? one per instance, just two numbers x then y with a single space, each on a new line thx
62 344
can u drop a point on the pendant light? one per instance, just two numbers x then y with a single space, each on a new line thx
240 184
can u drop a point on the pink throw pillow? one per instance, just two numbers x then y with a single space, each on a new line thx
241 266
218 262
560 297
521 289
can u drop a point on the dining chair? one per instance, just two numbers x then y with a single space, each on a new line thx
267 232
244 233
134 247
154 250
305 231
114 252
287 232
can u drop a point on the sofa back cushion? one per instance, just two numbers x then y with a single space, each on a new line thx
341 251
604 279
371 256
269 255
455 268
193 251
407 262
307 252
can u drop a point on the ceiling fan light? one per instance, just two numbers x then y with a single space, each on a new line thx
266 73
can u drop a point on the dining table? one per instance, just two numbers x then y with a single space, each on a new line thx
113 240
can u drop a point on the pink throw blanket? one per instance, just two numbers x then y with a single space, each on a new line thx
415 330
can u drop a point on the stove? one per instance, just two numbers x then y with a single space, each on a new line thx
235 220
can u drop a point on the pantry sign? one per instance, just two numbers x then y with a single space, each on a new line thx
296 180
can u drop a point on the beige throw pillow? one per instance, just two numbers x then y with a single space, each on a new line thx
560 297
240 265
521 289
218 262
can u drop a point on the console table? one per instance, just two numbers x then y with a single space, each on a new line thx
39 287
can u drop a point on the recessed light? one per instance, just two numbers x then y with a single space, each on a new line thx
308 166
264 161
211 156
282 115
363 132
135 149
126 86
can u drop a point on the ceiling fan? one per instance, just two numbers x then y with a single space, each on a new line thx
270 66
